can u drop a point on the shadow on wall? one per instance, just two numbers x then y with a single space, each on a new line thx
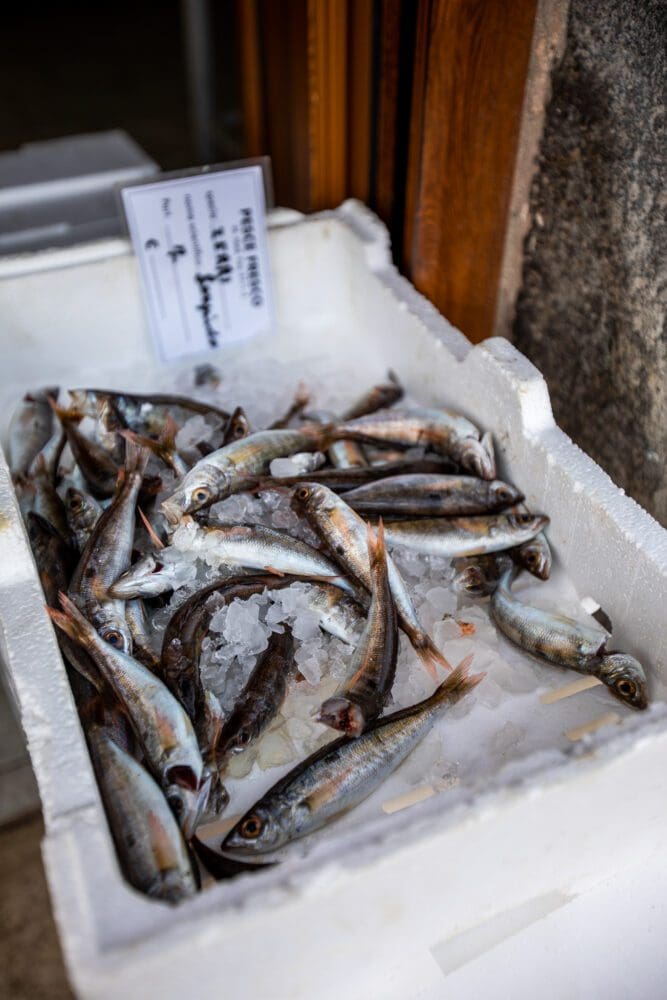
592 310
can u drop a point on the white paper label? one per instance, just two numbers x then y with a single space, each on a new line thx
201 245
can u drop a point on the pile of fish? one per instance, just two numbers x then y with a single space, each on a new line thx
109 488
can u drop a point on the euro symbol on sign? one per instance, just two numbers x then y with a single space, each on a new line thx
151 245
176 251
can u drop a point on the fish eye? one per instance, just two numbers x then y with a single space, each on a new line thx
243 737
251 827
202 494
523 518
303 493
114 638
239 430
504 494
75 504
626 688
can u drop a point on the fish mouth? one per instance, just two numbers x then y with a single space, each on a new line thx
172 510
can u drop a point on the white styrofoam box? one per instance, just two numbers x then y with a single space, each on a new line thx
371 908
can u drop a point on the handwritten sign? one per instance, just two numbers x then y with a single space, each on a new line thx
201 245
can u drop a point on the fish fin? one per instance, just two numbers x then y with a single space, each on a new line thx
429 654
136 457
153 535
98 589
66 415
167 439
70 620
272 569
458 683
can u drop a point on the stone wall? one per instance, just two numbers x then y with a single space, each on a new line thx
592 309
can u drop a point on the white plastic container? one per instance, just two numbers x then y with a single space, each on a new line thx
369 908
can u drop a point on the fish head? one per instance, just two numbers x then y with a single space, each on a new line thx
536 557
201 487
258 832
625 678
527 525
477 457
189 805
312 497
74 500
503 494
148 577
342 714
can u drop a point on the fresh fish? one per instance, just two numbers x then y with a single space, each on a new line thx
372 668
229 469
445 432
253 547
341 774
262 696
452 537
96 464
378 398
345 534
107 555
30 429
432 495
144 413
237 428
83 513
567 643
342 480
135 616
150 846
160 723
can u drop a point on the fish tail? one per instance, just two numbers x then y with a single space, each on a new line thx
71 621
429 654
136 458
377 552
457 684
66 416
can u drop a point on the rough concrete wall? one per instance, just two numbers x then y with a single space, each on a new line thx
591 313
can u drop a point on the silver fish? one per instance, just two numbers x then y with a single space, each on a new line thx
567 643
345 534
161 724
150 846
361 698
341 774
261 697
227 470
30 429
444 431
254 547
432 495
143 412
452 537
107 554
